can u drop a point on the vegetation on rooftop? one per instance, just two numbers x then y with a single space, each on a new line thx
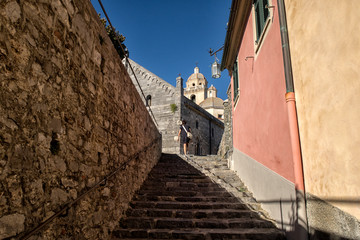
115 37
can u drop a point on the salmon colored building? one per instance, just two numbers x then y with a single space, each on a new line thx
281 85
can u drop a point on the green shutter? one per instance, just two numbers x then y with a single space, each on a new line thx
261 15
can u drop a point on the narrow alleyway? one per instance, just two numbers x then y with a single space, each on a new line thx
178 201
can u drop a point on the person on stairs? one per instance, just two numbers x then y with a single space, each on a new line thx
183 135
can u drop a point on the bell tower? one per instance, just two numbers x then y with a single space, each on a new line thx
196 87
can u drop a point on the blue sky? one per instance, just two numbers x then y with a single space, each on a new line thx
169 37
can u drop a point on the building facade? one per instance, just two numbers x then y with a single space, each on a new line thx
272 51
170 105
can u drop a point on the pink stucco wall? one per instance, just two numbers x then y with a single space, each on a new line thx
260 122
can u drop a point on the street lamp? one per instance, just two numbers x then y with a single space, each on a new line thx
215 67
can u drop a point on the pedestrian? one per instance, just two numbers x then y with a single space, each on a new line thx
183 135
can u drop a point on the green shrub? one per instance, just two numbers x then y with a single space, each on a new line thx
173 107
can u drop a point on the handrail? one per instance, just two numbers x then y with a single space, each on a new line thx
127 59
101 183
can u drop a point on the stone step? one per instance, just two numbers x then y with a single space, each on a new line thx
160 192
200 234
170 197
179 182
186 205
200 213
184 187
179 223
184 193
178 201
161 179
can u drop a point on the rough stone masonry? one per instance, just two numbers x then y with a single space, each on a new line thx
69 116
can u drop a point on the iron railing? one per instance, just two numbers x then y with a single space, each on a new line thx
102 183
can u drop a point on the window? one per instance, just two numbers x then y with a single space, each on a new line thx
148 100
235 79
197 124
192 98
261 15
220 116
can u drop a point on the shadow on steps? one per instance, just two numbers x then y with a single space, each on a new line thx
177 201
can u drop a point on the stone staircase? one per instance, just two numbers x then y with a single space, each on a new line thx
217 170
177 201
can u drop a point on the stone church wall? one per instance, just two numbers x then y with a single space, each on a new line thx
206 129
163 95
207 135
69 117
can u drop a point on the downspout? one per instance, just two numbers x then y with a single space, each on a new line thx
294 129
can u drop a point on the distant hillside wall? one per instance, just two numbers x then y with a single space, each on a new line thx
161 95
69 116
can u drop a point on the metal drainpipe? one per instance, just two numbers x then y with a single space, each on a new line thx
293 124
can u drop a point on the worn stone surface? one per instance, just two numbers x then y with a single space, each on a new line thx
69 116
11 225
216 168
226 144
177 201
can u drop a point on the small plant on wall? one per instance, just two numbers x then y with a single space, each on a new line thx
173 107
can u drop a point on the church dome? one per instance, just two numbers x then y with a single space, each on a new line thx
196 79
196 76
212 102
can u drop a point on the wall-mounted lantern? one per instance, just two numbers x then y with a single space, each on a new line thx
215 67
215 70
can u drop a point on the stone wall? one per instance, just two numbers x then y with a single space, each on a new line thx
206 129
69 116
226 144
162 96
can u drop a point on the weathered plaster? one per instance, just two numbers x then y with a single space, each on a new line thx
325 57
261 128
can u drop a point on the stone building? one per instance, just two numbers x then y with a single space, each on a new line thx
169 104
298 135
213 104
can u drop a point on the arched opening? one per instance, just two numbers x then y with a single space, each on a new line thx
148 100
193 98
